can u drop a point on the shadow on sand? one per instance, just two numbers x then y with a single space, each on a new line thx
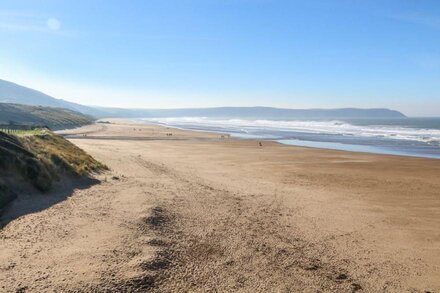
35 202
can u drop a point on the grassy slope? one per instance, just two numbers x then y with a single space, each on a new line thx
39 161
55 118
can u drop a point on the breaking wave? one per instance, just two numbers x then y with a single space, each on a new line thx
284 129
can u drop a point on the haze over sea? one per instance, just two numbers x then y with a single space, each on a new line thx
419 137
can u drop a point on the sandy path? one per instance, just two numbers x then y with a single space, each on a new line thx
226 215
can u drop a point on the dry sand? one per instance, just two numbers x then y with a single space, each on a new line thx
196 212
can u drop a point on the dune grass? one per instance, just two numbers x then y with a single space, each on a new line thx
39 159
63 154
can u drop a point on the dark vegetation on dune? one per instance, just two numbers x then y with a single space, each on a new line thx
54 118
38 161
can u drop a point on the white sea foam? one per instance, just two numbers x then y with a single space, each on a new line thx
316 127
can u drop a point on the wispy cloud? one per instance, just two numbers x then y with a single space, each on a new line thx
17 27
415 18
25 22
6 13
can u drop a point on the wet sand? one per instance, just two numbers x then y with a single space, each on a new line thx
194 211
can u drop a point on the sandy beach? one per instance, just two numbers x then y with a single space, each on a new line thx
188 211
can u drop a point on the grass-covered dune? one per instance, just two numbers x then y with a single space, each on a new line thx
38 161
54 118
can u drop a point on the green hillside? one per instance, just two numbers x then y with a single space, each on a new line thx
17 94
54 118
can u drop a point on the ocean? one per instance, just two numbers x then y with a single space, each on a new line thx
419 137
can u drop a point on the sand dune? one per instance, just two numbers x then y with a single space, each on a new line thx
193 211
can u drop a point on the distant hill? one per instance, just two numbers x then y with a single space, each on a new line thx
13 93
54 118
17 94
258 113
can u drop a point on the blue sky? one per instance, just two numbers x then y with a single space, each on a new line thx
197 53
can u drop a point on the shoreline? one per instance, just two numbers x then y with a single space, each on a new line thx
197 215
388 148
279 141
